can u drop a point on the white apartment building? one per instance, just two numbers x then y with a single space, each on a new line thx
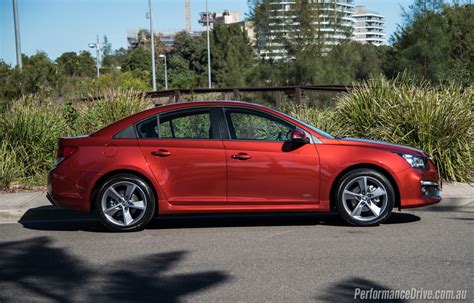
368 27
328 12
334 19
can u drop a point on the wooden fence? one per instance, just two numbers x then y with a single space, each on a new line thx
176 95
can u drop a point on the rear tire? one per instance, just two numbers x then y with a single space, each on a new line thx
125 202
364 197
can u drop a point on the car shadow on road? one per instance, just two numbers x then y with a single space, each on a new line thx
35 270
350 290
51 218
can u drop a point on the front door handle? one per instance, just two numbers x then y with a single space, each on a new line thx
161 153
241 156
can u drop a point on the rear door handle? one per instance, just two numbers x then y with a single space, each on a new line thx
161 153
241 156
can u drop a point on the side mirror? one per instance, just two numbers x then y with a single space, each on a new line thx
299 136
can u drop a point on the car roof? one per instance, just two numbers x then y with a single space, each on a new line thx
207 103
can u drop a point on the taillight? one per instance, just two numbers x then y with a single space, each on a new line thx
65 152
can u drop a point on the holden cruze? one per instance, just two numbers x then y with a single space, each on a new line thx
223 156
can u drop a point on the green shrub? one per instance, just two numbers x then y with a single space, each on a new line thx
9 168
438 120
321 118
114 105
30 128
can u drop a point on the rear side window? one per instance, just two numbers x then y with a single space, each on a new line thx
187 125
126 133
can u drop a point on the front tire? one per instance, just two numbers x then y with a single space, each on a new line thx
125 202
365 197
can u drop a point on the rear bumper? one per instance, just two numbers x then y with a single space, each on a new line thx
50 199
67 192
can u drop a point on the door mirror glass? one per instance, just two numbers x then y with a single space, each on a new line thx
299 136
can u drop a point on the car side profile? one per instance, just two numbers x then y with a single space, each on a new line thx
227 156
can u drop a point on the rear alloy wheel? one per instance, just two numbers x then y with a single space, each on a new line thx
365 197
125 203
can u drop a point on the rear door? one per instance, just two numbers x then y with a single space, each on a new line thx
185 152
263 166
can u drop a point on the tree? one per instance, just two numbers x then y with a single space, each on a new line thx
232 56
72 64
179 74
437 46
38 74
193 50
113 61
138 59
420 8
349 62
106 47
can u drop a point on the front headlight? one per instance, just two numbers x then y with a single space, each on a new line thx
415 161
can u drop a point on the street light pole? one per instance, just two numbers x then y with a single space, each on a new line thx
208 49
166 71
97 55
16 22
153 68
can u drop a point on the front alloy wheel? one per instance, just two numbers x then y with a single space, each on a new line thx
125 203
365 197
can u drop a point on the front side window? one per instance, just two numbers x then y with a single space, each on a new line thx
187 125
245 125
148 129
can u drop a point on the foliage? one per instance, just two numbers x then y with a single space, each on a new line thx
9 168
137 59
231 56
113 106
135 80
30 128
436 46
438 120
72 64
324 119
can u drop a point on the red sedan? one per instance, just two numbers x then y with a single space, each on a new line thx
210 157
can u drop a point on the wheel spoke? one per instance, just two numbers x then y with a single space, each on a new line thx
374 208
130 190
127 217
112 210
362 184
357 210
115 193
137 204
378 192
353 194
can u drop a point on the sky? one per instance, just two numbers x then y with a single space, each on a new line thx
58 26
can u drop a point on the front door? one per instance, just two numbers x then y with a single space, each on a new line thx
186 155
263 166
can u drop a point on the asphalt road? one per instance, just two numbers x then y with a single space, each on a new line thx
247 258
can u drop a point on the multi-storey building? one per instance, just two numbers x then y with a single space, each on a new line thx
332 21
368 26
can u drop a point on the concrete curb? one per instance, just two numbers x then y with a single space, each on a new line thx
34 207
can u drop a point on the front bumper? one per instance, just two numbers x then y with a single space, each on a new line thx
419 187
